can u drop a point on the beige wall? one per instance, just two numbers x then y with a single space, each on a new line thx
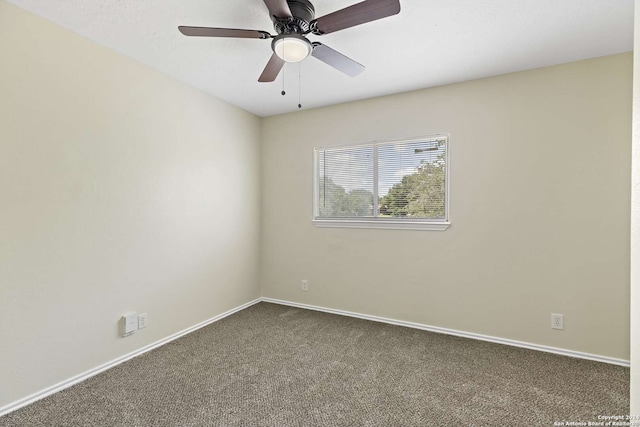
539 205
635 228
120 189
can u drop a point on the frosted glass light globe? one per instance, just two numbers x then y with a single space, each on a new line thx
292 48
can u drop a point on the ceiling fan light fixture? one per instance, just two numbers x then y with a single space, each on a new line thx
292 47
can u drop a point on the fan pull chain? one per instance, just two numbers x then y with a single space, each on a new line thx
299 85
283 92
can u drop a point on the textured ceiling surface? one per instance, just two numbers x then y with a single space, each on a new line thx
430 43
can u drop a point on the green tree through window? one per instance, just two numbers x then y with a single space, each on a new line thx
336 202
418 195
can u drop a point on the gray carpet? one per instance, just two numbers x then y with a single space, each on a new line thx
272 365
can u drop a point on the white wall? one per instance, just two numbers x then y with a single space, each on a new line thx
635 228
539 205
120 189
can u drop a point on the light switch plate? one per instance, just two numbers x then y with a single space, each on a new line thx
142 320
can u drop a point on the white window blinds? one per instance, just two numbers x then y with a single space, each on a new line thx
345 182
401 180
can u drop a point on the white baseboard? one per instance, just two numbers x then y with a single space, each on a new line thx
547 349
92 372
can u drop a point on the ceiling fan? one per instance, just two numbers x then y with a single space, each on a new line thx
293 20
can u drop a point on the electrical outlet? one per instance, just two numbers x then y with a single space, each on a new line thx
557 321
142 320
305 285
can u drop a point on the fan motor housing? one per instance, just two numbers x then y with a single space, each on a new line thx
303 13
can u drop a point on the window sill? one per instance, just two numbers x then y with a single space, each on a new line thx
388 225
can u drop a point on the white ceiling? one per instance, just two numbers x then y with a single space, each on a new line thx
430 43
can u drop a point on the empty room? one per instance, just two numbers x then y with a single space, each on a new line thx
319 213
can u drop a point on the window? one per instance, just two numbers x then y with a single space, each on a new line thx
398 184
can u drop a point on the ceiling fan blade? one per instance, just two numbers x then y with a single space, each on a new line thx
336 60
360 13
279 8
272 69
223 32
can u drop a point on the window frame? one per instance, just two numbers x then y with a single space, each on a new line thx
385 223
